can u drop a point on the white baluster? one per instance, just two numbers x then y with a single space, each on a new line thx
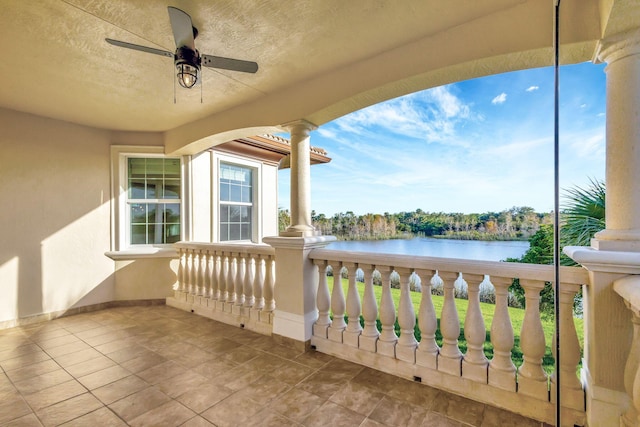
532 380
181 274
258 287
450 357
249 279
407 343
257 277
269 283
202 267
370 334
208 273
323 301
428 349
632 373
231 281
388 338
189 275
571 388
223 282
627 288
502 371
635 396
474 363
195 271
353 330
215 276
239 282
197 284
338 306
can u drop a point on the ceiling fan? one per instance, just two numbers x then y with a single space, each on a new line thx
186 58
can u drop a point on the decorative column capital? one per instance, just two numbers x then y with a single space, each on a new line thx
300 125
619 46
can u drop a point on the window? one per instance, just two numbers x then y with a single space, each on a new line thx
153 200
236 202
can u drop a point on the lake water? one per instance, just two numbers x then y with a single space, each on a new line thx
444 248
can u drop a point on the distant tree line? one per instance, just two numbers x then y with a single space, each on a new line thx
581 216
517 223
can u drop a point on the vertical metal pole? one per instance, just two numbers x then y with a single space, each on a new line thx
556 206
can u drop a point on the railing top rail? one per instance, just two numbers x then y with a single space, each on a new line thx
241 248
629 289
574 275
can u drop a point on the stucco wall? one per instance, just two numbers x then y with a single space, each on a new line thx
201 198
150 278
54 216
204 193
269 201
55 219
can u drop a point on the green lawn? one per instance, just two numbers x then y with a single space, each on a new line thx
516 315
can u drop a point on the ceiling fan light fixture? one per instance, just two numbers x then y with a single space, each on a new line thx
187 64
187 75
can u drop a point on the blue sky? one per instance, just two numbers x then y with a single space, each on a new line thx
474 146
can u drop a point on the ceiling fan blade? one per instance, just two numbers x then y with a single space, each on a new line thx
140 48
182 28
229 64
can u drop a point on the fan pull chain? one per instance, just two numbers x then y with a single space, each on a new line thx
174 87
201 81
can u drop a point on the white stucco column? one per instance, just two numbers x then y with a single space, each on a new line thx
615 251
300 180
622 54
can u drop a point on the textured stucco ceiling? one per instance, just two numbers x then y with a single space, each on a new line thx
318 59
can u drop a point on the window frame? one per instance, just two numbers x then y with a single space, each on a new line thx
121 215
159 203
256 182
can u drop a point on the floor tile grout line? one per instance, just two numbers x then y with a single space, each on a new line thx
74 379
34 411
123 397
95 410
67 371
26 366
258 349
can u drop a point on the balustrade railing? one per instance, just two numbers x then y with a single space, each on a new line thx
629 289
232 283
526 389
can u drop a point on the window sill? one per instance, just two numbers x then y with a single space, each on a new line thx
142 253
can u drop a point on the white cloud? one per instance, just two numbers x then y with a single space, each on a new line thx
584 145
583 105
517 150
499 99
327 133
448 103
532 88
431 115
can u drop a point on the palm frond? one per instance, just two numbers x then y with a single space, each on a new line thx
583 213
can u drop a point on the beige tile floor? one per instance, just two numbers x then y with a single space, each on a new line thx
158 366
